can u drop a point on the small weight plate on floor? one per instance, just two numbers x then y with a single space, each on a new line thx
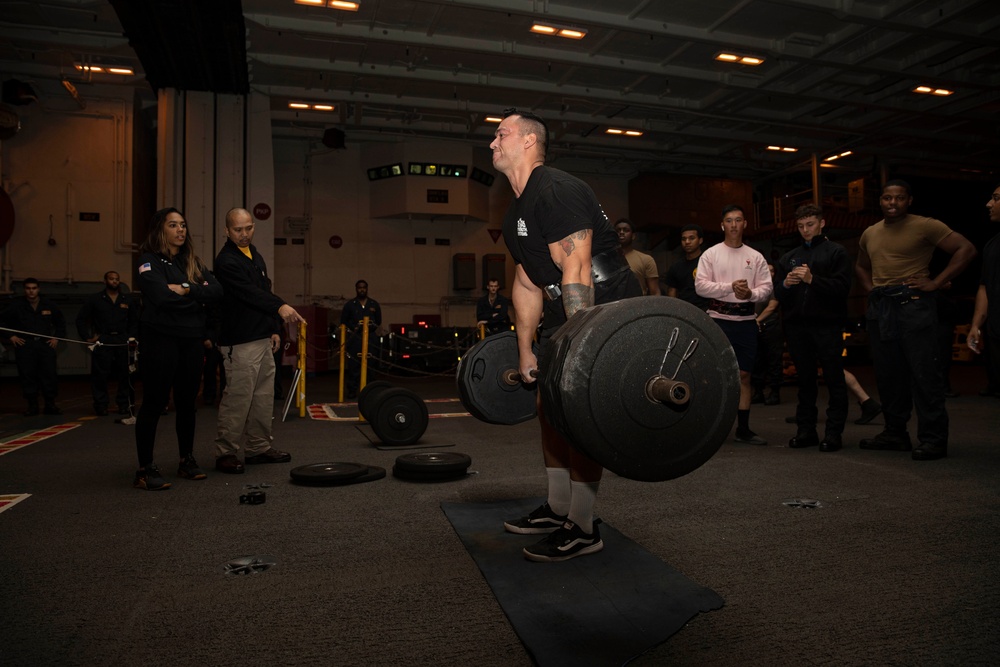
433 462
368 395
427 475
327 473
399 416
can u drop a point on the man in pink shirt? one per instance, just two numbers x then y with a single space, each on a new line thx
735 277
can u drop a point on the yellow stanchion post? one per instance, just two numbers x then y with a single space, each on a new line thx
364 355
482 331
343 361
301 388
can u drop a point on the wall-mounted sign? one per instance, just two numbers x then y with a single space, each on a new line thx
336 241
495 234
262 211
90 217
437 196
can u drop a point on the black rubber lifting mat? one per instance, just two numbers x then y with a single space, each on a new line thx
601 609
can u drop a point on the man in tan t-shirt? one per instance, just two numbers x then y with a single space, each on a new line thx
642 265
893 259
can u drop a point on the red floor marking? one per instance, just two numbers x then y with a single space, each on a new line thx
9 500
36 436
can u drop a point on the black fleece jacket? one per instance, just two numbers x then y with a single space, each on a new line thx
170 313
826 298
250 310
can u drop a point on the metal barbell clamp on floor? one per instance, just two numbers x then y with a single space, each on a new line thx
647 387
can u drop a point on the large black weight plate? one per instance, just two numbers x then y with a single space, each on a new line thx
593 387
414 476
399 416
481 385
368 395
327 473
433 462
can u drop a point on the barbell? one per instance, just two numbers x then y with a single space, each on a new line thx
648 387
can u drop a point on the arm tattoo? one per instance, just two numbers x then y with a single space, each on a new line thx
576 297
568 244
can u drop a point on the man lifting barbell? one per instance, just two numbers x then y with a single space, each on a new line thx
567 258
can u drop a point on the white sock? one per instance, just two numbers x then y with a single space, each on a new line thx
560 491
581 507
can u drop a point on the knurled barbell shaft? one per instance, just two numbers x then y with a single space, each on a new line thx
511 376
658 388
663 389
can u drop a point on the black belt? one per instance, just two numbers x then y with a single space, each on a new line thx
602 267
729 308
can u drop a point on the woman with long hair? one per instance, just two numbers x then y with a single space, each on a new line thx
175 288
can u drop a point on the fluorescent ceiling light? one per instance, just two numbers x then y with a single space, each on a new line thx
106 69
783 149
304 106
560 30
493 119
739 59
332 4
627 133
927 90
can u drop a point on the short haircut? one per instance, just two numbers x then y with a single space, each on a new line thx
493 280
626 221
899 183
731 208
807 211
233 212
361 282
531 123
694 228
108 273
29 281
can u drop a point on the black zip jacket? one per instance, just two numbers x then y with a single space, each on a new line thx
167 312
826 298
250 310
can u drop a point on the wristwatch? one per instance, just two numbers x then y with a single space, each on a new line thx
186 285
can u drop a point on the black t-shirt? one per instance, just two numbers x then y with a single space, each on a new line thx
552 206
991 279
680 276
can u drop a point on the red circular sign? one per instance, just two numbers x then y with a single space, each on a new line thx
336 241
262 211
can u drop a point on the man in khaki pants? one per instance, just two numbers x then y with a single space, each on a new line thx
251 317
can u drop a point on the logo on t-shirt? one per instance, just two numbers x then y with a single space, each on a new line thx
522 227
749 268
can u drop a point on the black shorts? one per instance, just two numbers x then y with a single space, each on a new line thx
742 335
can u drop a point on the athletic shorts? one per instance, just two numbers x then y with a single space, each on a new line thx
742 335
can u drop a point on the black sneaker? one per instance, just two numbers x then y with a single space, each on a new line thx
749 438
869 411
542 520
188 469
149 478
897 442
567 542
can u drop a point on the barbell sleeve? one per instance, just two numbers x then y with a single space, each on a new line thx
664 390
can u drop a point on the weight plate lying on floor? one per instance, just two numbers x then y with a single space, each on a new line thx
433 462
489 385
335 474
414 476
597 379
368 395
399 416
